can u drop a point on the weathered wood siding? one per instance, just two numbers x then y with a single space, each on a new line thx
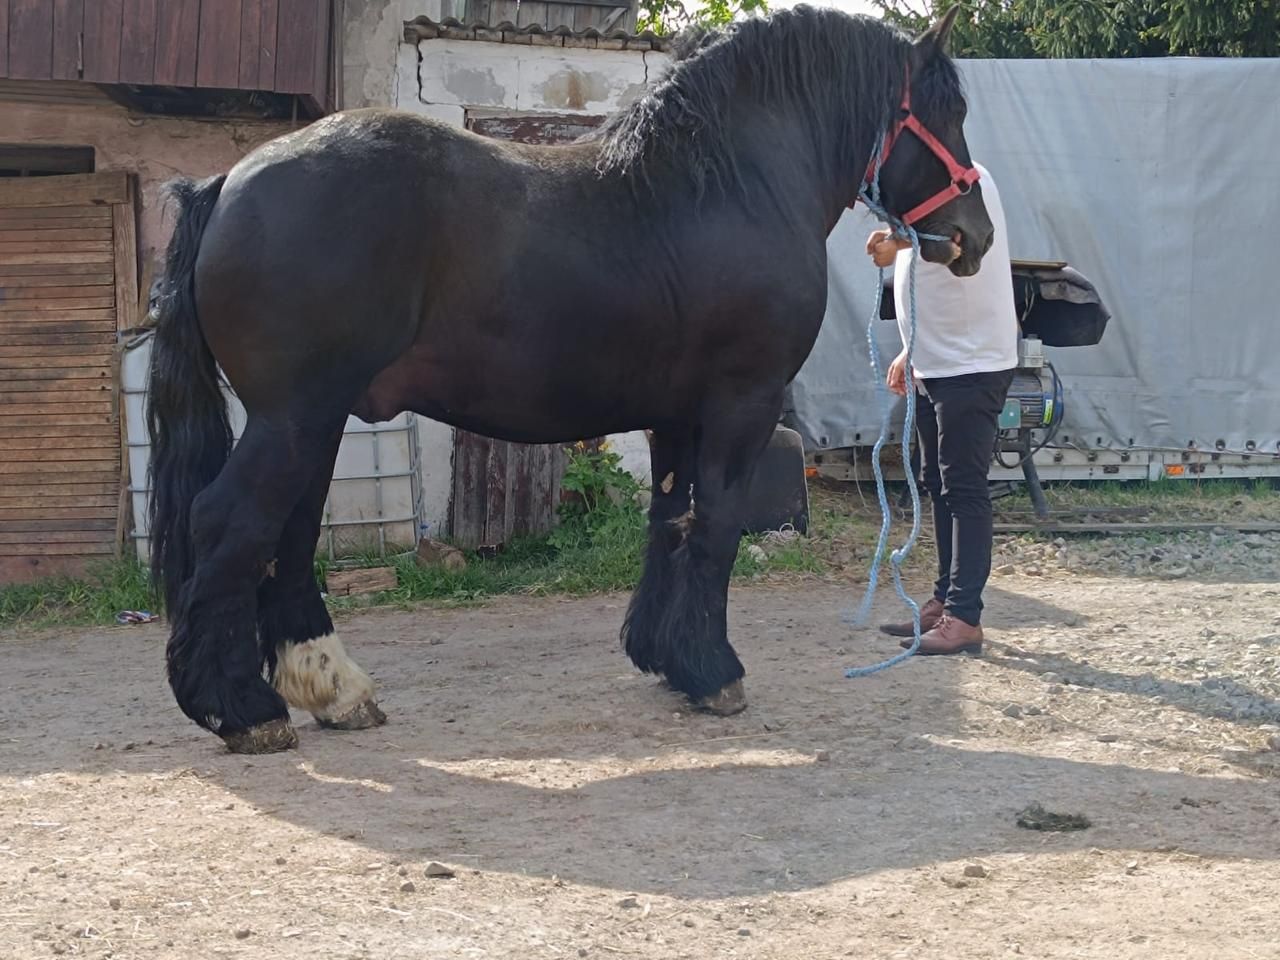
282 46
68 281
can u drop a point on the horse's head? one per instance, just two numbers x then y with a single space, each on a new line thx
926 177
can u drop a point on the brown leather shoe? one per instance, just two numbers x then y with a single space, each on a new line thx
948 637
930 614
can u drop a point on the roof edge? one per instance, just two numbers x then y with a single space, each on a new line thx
533 34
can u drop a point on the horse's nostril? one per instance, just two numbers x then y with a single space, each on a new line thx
986 245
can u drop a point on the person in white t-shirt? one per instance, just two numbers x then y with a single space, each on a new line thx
965 351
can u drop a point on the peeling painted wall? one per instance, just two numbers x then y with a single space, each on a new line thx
373 31
443 78
157 149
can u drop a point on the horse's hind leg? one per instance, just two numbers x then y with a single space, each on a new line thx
677 624
214 660
308 664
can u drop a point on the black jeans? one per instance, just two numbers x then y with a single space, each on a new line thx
956 422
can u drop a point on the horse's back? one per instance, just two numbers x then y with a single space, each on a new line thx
324 241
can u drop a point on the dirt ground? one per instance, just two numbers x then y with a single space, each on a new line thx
587 813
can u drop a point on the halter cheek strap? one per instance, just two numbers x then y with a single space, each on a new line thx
961 178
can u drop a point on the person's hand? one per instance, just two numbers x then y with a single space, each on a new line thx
877 237
896 379
883 247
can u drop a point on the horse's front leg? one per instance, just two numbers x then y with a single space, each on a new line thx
677 624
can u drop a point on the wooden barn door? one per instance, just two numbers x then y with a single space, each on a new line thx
503 490
68 281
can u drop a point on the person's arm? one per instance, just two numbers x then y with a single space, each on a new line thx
883 247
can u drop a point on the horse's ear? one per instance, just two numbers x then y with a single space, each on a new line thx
934 40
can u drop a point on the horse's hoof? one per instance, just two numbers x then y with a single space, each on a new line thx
270 737
732 699
361 717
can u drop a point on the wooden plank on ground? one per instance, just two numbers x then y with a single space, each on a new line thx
138 42
68 191
342 583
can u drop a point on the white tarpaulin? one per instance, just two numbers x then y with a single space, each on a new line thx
1156 179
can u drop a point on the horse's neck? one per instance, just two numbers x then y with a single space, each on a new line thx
796 167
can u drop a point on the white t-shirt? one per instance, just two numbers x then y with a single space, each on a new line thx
963 324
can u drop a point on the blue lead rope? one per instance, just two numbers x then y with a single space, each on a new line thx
871 197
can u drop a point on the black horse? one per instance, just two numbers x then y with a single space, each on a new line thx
668 273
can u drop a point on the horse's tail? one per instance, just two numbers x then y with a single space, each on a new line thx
186 411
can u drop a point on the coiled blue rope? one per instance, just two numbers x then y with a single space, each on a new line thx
870 195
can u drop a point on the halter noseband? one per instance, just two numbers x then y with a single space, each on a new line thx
961 178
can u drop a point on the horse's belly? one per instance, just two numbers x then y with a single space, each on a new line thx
512 401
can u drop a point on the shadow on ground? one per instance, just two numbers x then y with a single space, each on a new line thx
521 741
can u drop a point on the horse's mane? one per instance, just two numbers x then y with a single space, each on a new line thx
845 72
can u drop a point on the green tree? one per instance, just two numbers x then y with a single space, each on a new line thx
665 17
1100 28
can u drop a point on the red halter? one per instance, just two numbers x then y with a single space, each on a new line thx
962 178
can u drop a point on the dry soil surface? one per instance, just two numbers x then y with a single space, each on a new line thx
583 811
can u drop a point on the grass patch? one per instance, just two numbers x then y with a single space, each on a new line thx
599 546
1167 499
105 590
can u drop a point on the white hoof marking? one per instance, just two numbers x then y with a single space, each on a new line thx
319 677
